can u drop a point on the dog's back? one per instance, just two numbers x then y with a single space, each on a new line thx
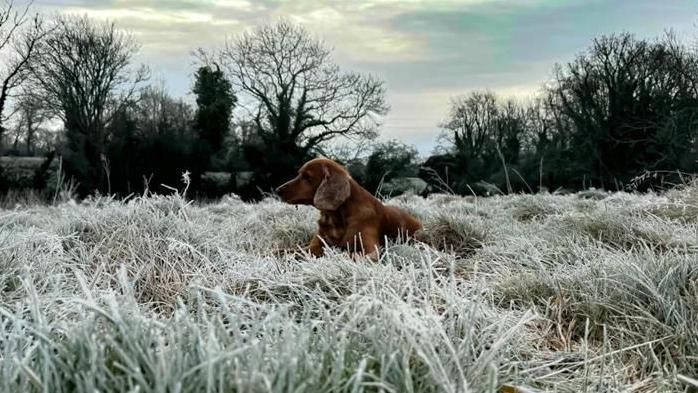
397 222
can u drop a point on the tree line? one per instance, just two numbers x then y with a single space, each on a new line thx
273 98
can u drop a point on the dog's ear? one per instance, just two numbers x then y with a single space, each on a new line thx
333 191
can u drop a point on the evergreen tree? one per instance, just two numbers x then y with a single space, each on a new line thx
215 101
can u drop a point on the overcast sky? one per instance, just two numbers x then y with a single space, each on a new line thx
426 51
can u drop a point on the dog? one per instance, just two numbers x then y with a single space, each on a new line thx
351 218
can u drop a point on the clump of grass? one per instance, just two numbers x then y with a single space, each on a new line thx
530 207
458 234
680 204
17 199
624 228
152 239
276 228
630 300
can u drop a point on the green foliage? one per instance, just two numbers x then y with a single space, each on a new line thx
21 172
215 184
387 161
405 185
215 101
4 185
151 144
46 171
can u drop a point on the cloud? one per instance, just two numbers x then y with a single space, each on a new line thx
364 31
243 5
426 50
363 37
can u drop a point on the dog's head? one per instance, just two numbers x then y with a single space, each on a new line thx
320 182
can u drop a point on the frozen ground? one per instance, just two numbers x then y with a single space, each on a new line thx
587 292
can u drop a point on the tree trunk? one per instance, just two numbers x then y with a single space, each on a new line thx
30 136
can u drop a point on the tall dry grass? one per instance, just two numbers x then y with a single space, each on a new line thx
541 293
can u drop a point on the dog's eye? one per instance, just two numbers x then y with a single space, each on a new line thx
305 176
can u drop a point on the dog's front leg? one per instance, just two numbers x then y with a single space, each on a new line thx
315 247
362 241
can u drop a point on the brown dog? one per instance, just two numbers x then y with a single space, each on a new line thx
351 217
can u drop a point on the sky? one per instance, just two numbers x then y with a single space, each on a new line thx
426 51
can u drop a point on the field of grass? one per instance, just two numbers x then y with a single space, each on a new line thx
589 292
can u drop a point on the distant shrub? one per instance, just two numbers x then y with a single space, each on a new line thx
402 185
216 184
28 172
19 171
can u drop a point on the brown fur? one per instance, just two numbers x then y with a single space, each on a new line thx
350 217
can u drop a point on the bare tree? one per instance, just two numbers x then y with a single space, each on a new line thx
472 122
20 34
30 116
84 74
157 114
299 97
628 105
